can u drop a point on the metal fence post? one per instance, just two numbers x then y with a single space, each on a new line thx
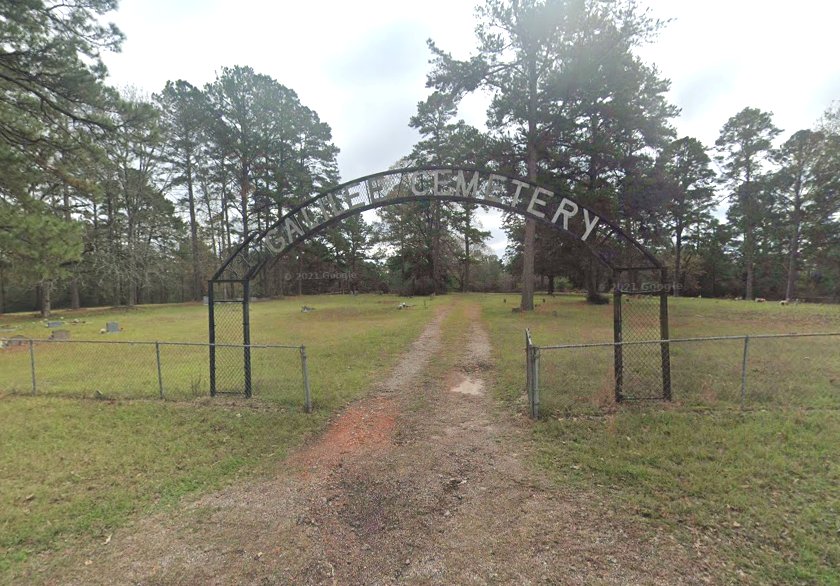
528 366
535 383
160 373
665 347
617 347
744 372
32 364
307 397
211 308
246 330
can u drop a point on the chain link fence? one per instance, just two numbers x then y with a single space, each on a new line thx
639 318
726 372
145 370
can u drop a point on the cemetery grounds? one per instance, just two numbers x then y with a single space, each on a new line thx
724 494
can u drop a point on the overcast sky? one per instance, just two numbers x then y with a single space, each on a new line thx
361 64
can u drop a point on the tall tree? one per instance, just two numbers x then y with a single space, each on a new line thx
234 97
40 244
448 142
745 147
715 254
268 151
184 121
798 179
515 62
134 188
685 182
50 86
549 67
615 116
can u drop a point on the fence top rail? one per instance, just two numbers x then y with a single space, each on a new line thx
147 343
699 339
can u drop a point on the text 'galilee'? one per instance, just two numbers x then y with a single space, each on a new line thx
444 184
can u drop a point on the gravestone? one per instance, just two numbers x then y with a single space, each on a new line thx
60 335
112 327
17 341
205 300
54 324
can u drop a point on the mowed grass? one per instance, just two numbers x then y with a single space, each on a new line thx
72 469
758 492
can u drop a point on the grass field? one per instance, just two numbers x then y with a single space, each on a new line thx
758 490
74 469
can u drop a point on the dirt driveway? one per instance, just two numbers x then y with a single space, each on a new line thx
425 481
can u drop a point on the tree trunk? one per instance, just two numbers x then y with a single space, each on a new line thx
436 278
116 298
46 298
75 302
211 223
527 301
747 206
74 283
748 261
790 290
226 239
678 263
592 278
550 285
197 285
593 274
465 284
2 291
244 192
282 279
131 293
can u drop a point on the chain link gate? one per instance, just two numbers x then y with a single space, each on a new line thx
640 313
229 308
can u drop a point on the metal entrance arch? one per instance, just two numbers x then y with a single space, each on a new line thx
634 269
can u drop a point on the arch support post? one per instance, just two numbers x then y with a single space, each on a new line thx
618 349
246 335
212 336
664 334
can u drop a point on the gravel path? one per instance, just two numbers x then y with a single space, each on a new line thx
425 481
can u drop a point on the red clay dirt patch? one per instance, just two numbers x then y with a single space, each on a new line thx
364 426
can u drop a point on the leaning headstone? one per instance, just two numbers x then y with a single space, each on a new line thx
60 335
112 327
54 324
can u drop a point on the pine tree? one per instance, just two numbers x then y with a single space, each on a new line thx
685 181
745 147
568 94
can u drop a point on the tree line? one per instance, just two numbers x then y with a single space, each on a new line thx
118 198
